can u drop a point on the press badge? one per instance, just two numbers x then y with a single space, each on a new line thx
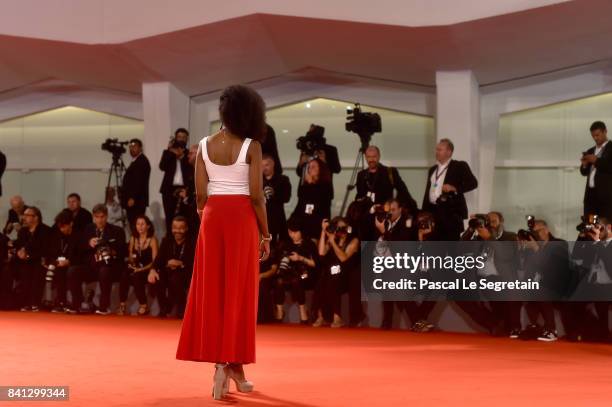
335 269
309 209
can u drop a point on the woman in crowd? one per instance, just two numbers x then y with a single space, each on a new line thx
315 195
142 251
338 251
296 270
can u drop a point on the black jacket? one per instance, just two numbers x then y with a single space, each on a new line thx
2 168
460 176
275 205
168 165
114 235
35 244
382 183
60 245
81 219
136 182
602 193
169 250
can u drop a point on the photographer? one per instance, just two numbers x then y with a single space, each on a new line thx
315 195
135 188
178 176
15 215
338 251
81 216
447 181
312 146
393 224
419 312
296 270
142 251
30 249
277 190
103 248
172 268
545 259
61 254
592 261
378 182
596 165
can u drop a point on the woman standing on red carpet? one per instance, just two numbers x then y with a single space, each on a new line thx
221 313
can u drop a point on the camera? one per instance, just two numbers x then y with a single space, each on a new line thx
425 224
103 252
312 141
362 123
528 234
174 143
478 221
290 268
333 227
589 222
114 146
381 212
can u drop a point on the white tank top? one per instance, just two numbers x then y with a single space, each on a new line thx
228 179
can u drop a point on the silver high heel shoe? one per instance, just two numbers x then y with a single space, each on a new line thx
220 384
236 373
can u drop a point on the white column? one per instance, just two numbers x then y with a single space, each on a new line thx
165 109
458 119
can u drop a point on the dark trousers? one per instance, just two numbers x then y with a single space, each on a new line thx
101 272
546 309
171 289
32 282
327 295
356 314
7 281
138 280
594 205
60 282
509 312
603 325
265 300
295 285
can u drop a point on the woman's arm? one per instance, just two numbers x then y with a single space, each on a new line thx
201 180
344 255
131 251
323 246
256 187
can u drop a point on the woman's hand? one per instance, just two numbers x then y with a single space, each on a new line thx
153 276
265 250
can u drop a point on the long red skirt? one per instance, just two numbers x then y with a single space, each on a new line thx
221 313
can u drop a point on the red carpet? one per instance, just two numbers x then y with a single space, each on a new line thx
129 361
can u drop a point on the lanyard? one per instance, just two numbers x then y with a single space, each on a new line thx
180 256
435 185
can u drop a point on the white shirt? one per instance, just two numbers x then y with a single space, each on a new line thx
178 174
437 180
593 169
228 179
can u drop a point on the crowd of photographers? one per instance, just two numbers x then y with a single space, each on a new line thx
315 258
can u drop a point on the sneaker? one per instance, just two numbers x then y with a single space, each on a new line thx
34 308
103 311
514 334
71 310
58 309
548 336
26 308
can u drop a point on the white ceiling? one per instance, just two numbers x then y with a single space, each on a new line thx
246 49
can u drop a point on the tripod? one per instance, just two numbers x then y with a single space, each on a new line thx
115 173
359 164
